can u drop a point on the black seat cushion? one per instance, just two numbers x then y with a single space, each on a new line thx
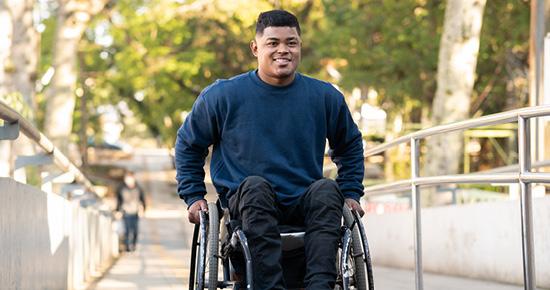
291 228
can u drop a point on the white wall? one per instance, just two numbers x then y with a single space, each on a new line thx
47 242
480 240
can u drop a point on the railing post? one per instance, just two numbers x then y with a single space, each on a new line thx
9 131
416 205
526 202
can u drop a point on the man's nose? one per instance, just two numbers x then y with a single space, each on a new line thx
283 48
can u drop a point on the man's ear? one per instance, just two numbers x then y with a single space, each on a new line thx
254 48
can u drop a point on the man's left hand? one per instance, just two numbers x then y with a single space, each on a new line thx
354 205
117 215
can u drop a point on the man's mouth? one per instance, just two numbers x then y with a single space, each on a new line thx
282 60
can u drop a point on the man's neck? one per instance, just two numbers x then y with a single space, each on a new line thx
278 82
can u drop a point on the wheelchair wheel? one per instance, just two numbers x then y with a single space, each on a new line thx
204 252
356 255
213 245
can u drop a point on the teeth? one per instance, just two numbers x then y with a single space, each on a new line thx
282 60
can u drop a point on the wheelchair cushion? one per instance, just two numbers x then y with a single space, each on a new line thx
292 241
292 237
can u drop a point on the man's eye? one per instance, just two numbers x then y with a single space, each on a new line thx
293 43
271 44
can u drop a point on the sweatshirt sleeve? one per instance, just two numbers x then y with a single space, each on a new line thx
346 148
199 131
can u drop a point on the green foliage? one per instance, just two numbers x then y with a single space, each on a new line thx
392 46
47 44
15 101
161 59
504 47
165 52
47 47
388 45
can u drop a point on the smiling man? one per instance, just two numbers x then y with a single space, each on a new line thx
269 128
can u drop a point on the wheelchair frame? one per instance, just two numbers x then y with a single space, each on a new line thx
354 261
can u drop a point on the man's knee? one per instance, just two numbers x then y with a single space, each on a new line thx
255 181
256 185
256 189
326 191
326 184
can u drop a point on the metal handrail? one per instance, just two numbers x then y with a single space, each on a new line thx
497 175
495 119
11 116
520 173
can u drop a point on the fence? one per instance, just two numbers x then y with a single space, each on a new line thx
47 241
523 176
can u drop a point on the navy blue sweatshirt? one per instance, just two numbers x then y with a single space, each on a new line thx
278 133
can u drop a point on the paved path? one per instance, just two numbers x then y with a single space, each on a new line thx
397 279
161 260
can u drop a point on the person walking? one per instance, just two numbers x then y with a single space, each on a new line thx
130 197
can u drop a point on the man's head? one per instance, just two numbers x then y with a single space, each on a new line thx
130 179
277 46
276 18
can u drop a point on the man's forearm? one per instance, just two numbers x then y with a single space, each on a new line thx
190 171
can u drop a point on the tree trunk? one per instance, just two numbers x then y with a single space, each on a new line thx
72 19
5 44
24 51
19 58
83 128
458 52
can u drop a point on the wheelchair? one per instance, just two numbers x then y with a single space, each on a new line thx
213 248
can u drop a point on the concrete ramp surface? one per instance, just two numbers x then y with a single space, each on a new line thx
161 260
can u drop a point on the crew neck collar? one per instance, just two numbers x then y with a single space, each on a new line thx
254 75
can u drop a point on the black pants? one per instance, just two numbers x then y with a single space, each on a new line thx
130 231
319 210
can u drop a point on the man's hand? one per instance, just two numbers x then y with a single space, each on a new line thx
354 205
194 211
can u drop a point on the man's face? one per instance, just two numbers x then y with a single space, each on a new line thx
130 181
278 50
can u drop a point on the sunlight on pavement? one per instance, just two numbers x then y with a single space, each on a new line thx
160 214
162 255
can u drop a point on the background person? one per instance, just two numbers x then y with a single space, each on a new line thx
130 197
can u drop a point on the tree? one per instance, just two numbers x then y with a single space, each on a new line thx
18 58
384 45
458 53
5 44
73 17
164 53
24 51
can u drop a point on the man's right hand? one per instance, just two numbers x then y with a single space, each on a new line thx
194 211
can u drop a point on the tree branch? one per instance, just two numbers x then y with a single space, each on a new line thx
485 92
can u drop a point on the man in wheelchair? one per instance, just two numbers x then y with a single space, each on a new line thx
268 128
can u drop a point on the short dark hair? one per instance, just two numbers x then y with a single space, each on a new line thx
277 18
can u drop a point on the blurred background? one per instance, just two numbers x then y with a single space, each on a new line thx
109 82
103 76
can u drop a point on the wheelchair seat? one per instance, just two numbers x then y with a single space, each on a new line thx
292 237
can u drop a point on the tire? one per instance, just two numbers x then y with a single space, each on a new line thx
359 275
193 264
213 245
204 256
